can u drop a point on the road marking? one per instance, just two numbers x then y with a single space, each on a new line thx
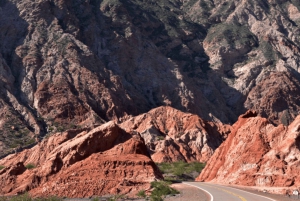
211 196
226 191
252 193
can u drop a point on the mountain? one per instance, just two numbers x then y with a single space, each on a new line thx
257 153
70 64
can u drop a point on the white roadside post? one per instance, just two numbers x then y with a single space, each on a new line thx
295 192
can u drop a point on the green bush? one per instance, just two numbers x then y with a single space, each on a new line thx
30 166
180 168
2 167
161 189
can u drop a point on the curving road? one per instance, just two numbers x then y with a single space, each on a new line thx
225 193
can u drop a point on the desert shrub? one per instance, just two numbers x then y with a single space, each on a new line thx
267 50
2 167
284 118
164 167
180 168
234 35
160 137
30 166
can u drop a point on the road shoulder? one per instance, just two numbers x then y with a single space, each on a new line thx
270 195
189 193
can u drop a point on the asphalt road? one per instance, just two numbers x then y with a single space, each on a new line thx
224 193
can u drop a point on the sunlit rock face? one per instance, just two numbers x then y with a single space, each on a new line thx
257 153
80 164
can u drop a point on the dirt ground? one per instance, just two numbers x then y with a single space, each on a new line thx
186 193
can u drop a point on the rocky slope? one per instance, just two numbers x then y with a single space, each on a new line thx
257 153
171 135
81 163
66 64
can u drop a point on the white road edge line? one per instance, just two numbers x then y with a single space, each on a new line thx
249 192
212 197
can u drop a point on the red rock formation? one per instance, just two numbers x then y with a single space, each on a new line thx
105 160
172 135
64 63
277 98
257 153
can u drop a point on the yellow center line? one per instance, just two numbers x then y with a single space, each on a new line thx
226 191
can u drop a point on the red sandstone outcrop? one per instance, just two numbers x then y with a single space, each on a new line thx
82 163
172 135
257 153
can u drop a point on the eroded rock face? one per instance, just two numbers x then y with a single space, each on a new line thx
65 64
257 153
277 97
105 160
171 135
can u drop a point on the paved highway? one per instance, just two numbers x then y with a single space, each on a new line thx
224 193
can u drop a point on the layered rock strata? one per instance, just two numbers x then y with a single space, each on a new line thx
257 153
105 160
171 135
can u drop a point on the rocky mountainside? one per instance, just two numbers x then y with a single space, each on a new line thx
81 163
171 135
67 64
257 153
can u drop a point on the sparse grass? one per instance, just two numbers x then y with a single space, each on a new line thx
26 197
267 50
142 194
30 166
14 133
2 167
95 199
234 35
116 197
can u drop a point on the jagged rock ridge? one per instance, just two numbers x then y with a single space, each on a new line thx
171 135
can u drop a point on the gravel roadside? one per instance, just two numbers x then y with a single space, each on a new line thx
186 193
